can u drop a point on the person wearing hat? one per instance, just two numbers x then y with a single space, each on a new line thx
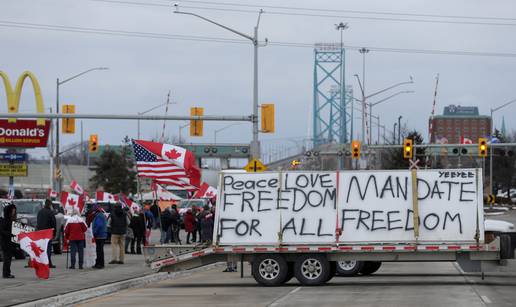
99 226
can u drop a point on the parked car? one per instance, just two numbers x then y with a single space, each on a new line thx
28 209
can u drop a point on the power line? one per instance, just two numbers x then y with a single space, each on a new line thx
154 35
306 14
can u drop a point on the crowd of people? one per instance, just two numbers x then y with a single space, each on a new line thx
196 222
129 229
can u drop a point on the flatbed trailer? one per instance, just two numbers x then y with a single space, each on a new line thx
313 259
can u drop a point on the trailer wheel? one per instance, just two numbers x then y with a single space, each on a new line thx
270 270
312 269
333 270
506 250
349 268
370 267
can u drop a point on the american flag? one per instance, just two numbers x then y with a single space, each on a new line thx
151 166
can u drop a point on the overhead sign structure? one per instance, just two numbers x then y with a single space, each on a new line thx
23 133
255 166
13 170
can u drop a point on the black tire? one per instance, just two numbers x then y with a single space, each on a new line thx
349 268
312 269
290 273
333 270
370 267
506 249
270 269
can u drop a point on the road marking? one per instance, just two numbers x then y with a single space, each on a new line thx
485 299
284 297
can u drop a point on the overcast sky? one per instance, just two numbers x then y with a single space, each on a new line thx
218 76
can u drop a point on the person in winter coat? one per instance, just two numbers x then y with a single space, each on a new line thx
149 221
118 221
154 209
189 220
138 226
197 232
74 233
6 235
166 223
47 220
207 218
175 226
99 226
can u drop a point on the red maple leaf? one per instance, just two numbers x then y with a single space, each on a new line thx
35 249
71 202
172 154
210 194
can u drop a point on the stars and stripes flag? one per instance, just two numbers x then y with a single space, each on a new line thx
167 164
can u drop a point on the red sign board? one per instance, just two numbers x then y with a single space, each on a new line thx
23 133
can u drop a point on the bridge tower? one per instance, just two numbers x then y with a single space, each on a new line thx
332 100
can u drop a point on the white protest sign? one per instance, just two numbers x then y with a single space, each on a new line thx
377 206
368 207
18 228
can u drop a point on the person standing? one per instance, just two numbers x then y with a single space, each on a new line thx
118 221
99 226
175 227
47 220
189 220
74 233
166 222
207 218
6 235
154 209
138 226
197 233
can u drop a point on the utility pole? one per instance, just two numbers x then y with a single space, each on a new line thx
364 51
399 129
255 144
342 90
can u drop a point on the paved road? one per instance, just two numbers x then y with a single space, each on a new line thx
395 284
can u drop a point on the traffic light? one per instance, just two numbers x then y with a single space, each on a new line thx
408 149
267 118
94 143
68 126
482 147
355 149
196 125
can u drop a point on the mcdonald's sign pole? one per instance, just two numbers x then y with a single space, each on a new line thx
57 162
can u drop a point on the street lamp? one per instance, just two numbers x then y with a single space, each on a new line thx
181 129
255 144
147 111
491 145
223 128
58 84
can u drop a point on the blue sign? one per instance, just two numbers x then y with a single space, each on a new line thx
13 157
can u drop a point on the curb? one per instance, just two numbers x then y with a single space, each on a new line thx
495 213
91 293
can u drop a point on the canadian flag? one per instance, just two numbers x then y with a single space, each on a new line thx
176 155
76 187
124 200
104 196
35 244
162 193
71 201
52 193
464 140
205 191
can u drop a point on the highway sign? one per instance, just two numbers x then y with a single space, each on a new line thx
255 166
491 199
13 170
13 157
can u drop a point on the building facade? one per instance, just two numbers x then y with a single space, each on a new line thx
458 123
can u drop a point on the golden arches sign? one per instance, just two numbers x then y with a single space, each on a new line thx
13 95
